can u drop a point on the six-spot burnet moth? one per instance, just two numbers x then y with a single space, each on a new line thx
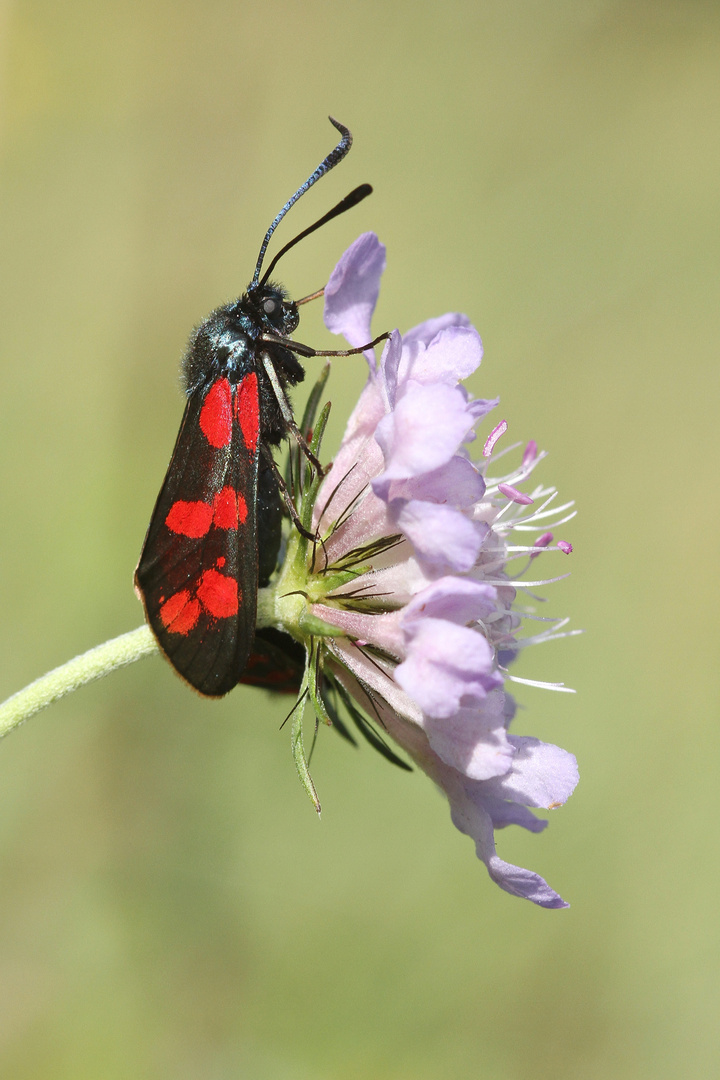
215 533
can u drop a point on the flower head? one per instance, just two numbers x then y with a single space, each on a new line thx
406 606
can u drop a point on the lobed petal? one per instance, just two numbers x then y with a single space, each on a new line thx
389 366
456 599
542 774
473 741
427 331
478 408
352 291
471 810
363 676
457 483
447 666
383 631
423 432
523 883
471 817
443 538
452 355
504 813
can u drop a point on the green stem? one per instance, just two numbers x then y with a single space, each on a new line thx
91 665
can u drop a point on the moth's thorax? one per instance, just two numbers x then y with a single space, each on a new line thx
229 342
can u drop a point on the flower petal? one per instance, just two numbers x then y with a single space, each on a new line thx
402 579
473 741
389 367
458 483
381 630
505 813
427 331
424 431
442 537
470 810
447 666
451 355
478 408
352 291
370 520
470 817
541 775
358 673
459 600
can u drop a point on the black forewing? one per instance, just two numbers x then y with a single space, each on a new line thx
207 641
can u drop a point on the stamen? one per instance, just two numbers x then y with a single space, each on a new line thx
542 542
517 475
539 639
525 584
560 687
514 495
493 437
530 453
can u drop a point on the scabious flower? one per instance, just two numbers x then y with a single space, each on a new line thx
406 606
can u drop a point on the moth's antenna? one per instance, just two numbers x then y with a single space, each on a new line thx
347 203
325 165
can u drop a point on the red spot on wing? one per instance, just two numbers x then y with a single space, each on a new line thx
220 562
247 407
225 509
215 593
218 594
189 518
180 613
195 518
216 414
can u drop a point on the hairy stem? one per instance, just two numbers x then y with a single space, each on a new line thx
63 680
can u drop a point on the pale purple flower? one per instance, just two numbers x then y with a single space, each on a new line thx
416 545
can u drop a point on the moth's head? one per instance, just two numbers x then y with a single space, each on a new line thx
274 308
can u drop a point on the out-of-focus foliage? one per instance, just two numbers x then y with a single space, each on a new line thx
169 906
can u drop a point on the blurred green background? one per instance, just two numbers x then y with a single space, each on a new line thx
169 905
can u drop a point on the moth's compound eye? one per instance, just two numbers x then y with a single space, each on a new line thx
269 306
